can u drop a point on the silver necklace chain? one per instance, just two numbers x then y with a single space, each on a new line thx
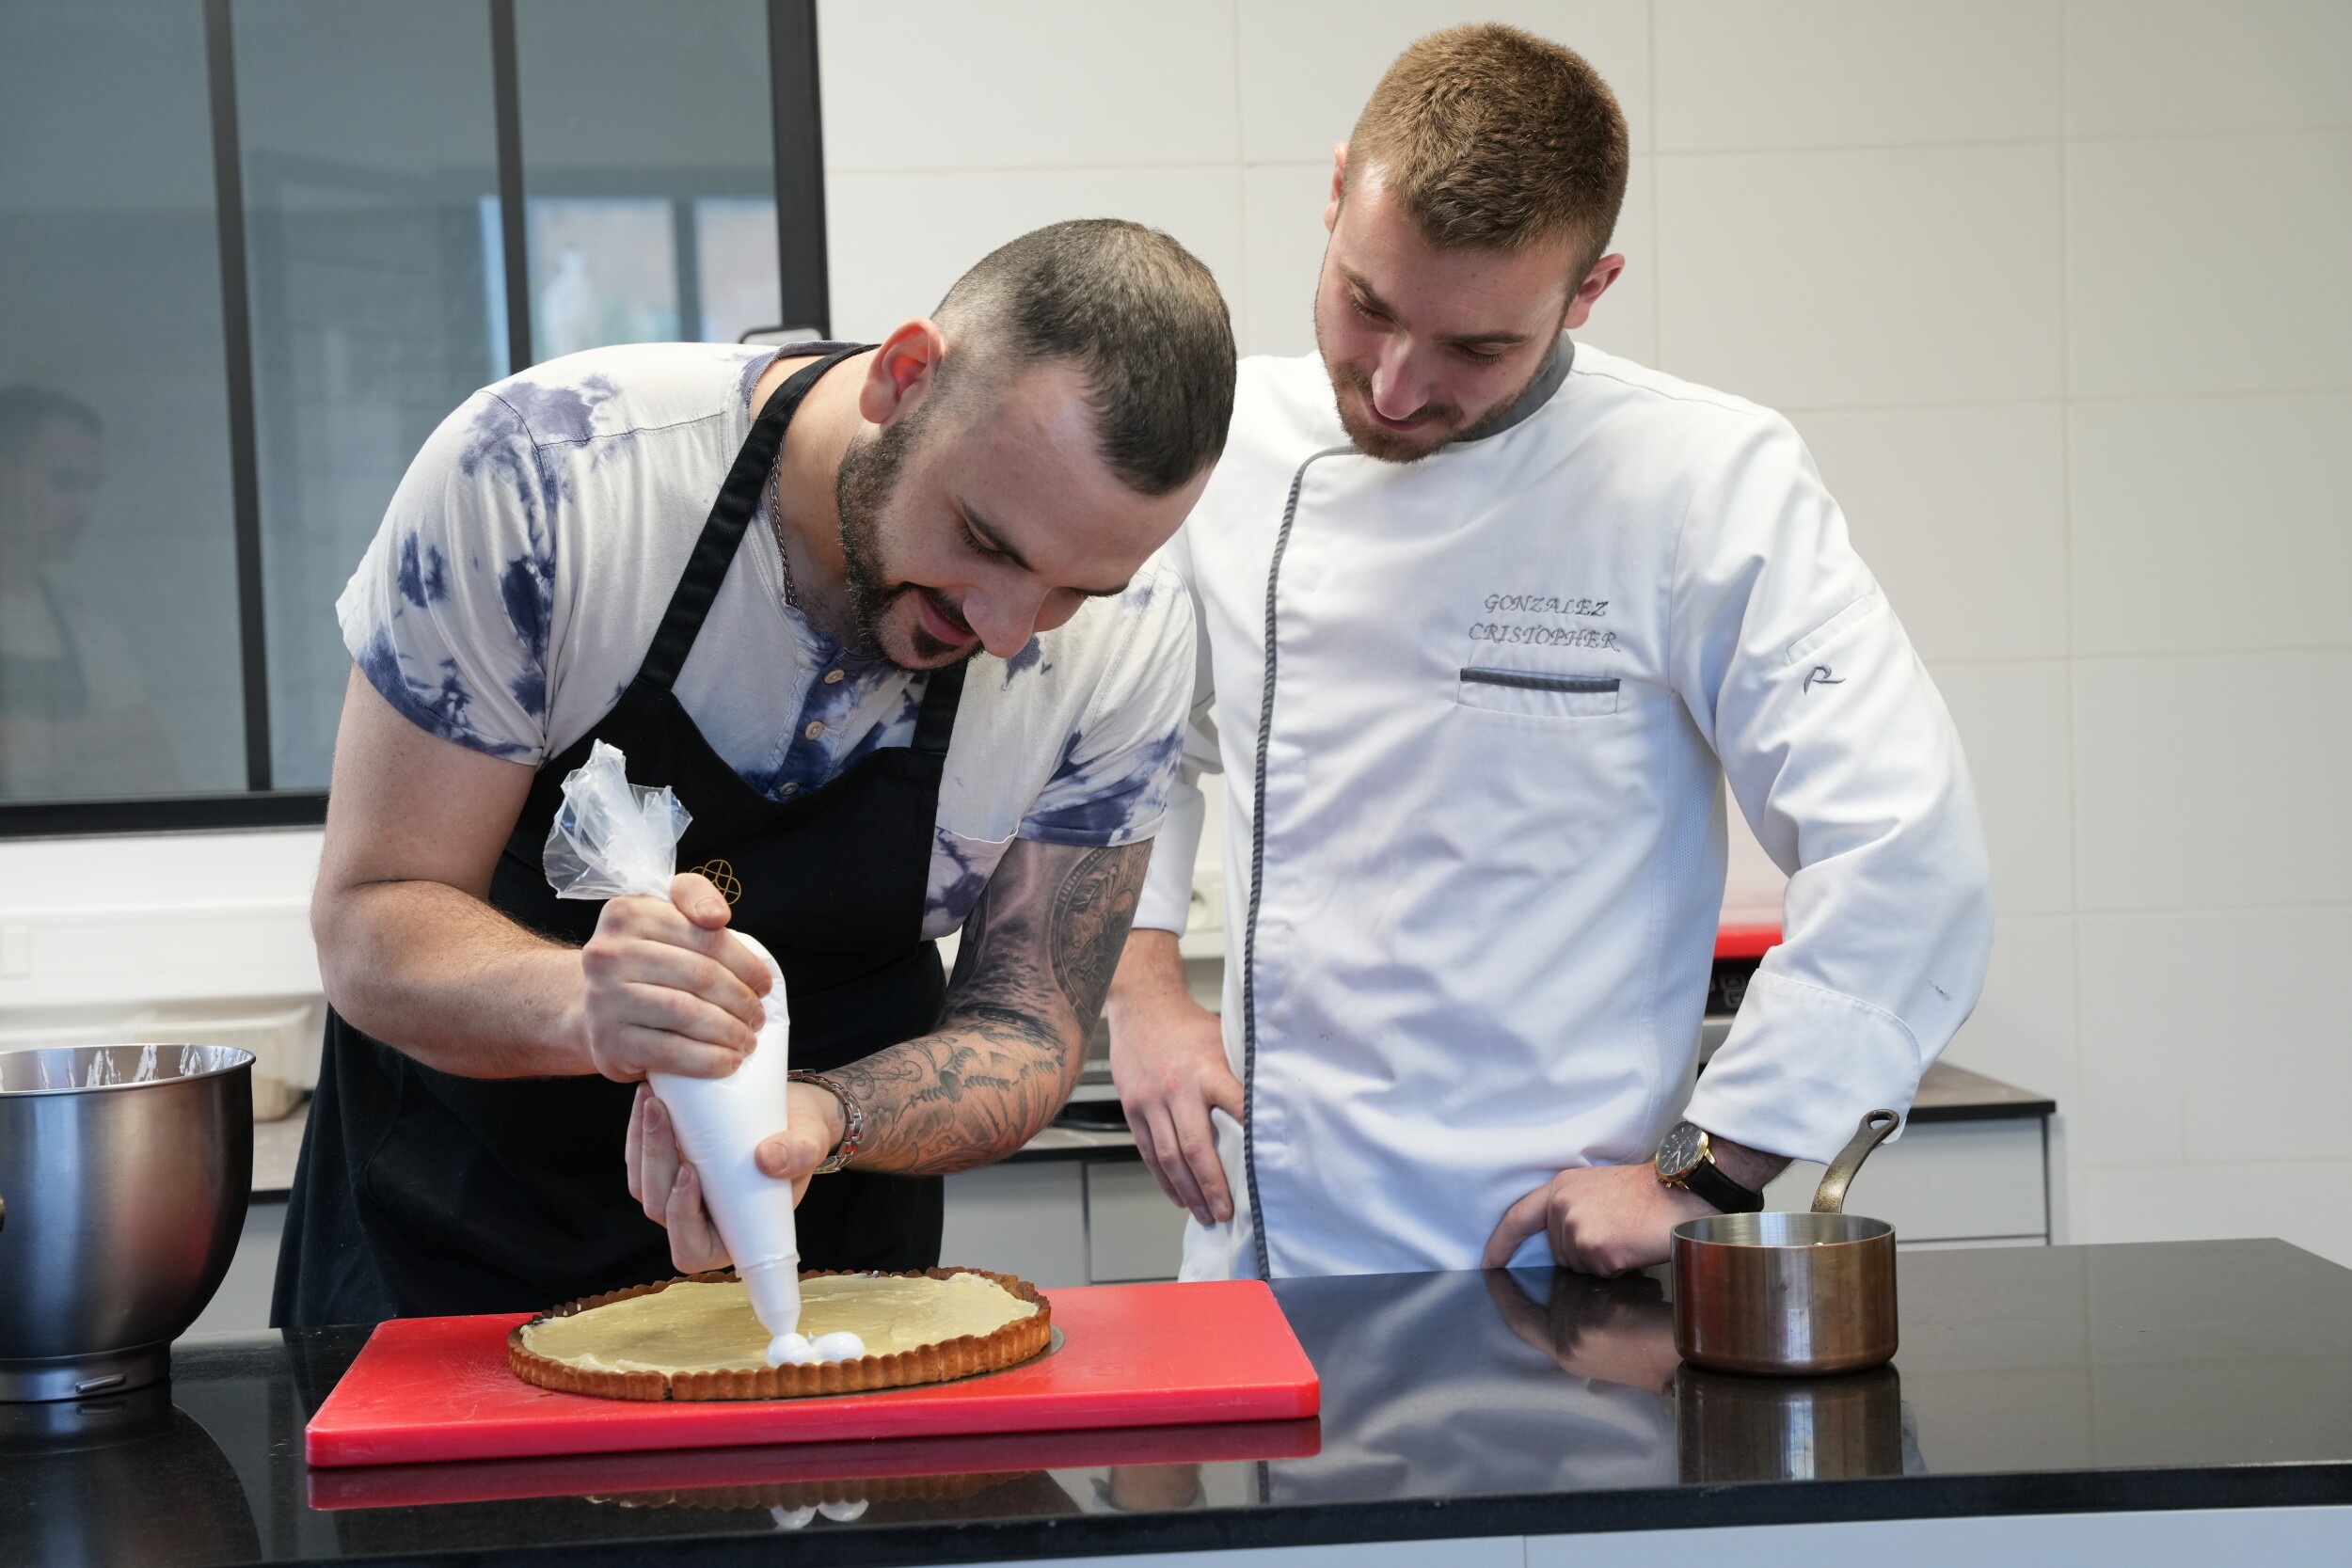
775 526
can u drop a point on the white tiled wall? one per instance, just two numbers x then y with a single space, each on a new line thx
2061 294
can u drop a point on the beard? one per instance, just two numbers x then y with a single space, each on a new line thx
862 489
1444 422
1377 441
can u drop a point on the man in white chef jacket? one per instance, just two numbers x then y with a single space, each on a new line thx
1480 645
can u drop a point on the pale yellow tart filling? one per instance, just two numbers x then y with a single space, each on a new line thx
710 1328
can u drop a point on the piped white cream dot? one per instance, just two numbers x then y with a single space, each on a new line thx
842 1346
841 1514
792 1349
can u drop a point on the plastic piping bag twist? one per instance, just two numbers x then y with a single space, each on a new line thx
613 838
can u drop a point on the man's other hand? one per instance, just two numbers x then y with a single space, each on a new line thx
670 1189
1604 1220
667 988
1167 1060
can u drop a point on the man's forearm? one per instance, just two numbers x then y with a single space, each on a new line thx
972 1091
1035 964
1151 969
445 978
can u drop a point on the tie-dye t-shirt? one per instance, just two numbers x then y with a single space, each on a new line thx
536 540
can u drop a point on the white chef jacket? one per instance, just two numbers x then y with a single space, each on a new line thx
1476 856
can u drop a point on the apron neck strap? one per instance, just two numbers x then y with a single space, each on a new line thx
935 726
730 515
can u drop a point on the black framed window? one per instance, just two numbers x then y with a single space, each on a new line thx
256 250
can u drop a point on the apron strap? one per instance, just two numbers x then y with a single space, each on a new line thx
730 515
936 723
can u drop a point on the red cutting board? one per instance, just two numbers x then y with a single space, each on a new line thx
434 1388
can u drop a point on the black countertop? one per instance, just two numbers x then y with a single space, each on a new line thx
2031 1380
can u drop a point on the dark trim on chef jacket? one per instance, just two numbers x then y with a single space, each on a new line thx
1539 391
1549 380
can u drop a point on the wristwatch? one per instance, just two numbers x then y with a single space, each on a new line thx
852 1120
1684 1160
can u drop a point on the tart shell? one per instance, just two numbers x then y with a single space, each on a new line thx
967 1356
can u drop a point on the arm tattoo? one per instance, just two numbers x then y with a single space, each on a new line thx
1034 967
1092 910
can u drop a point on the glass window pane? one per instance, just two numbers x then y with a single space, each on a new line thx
735 250
648 163
603 270
370 151
119 672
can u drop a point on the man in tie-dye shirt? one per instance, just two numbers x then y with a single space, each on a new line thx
977 498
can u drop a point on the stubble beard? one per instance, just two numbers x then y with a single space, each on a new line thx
1387 446
863 486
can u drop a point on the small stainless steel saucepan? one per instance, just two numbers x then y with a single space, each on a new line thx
1788 1294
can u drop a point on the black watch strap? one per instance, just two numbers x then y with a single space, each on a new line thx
1707 1181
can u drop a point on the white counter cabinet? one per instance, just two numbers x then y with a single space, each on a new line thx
1065 1221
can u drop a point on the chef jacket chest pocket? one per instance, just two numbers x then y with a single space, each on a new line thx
1536 694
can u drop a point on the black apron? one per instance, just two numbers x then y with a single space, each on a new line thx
424 1193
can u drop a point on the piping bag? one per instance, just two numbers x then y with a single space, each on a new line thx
610 838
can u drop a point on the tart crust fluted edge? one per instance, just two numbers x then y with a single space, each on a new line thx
966 1356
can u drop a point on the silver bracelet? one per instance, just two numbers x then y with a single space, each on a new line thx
852 1121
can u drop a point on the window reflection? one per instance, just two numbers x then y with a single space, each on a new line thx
73 710
603 270
119 673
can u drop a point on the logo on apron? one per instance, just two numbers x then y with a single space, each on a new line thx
722 876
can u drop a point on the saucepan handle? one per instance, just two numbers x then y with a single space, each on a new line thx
1829 1197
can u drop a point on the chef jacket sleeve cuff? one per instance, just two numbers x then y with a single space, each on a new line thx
1802 1066
1165 901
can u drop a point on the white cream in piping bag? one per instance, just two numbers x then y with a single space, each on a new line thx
720 1123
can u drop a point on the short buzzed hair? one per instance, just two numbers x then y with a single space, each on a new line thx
1495 139
1139 317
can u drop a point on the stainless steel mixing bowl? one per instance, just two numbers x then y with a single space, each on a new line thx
125 1171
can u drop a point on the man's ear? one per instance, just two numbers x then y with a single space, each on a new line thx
1339 186
1588 292
902 370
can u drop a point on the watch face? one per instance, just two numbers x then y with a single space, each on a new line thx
1683 1148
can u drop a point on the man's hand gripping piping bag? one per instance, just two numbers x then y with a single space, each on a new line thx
610 839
